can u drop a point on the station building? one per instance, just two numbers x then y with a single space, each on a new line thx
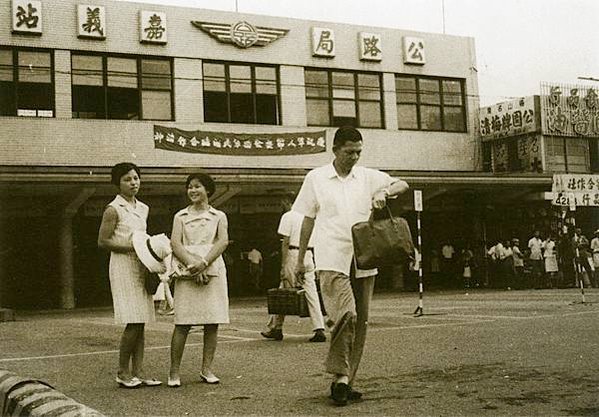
253 100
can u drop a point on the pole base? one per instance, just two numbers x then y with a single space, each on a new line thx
419 311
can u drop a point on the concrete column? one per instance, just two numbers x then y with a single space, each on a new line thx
66 265
62 77
389 101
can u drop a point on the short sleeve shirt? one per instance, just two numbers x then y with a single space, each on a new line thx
535 245
337 204
290 226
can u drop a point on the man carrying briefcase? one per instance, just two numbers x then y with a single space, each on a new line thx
332 199
289 229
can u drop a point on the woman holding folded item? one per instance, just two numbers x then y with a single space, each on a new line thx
133 305
198 239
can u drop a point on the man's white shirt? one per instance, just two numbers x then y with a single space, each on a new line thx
337 204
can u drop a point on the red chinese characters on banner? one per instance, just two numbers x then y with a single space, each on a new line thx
243 144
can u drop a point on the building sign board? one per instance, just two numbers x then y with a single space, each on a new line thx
509 118
323 42
242 144
241 34
575 189
152 27
370 46
413 50
91 21
570 110
27 16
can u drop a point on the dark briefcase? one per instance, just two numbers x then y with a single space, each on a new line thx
287 301
382 242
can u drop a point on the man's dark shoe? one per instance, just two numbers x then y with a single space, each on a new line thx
276 334
340 393
318 336
352 396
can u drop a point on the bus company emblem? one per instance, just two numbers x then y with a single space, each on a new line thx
241 34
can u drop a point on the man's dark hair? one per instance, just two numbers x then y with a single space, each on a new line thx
346 134
121 169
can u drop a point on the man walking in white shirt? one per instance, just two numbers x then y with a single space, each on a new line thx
289 228
332 199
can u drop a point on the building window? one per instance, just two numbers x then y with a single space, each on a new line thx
341 98
26 82
241 93
121 87
426 103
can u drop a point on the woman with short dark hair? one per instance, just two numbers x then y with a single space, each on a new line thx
133 306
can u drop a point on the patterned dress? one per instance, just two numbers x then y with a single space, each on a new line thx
131 301
202 303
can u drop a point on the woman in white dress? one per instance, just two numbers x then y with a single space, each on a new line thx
133 305
199 237
551 265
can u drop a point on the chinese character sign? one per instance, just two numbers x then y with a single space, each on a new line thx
579 189
152 27
370 46
323 42
509 118
413 50
243 144
570 110
91 21
27 16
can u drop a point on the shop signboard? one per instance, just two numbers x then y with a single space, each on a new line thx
509 118
580 190
570 110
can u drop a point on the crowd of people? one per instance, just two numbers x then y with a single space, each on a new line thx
332 198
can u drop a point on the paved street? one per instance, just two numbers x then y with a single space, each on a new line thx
486 353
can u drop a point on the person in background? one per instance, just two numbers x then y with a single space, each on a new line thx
518 259
332 199
595 253
133 306
581 246
507 264
467 266
256 268
199 238
289 228
448 263
535 245
551 265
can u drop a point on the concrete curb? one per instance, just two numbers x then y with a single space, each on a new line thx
30 397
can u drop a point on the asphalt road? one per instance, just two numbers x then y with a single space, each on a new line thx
487 353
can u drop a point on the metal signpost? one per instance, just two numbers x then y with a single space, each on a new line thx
418 207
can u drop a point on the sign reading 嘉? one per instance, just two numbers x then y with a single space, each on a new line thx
575 189
243 144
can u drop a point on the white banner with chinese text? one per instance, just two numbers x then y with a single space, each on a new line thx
575 189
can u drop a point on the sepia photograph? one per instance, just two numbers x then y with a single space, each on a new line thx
299 208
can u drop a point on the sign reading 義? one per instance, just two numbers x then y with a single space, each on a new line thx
242 144
91 21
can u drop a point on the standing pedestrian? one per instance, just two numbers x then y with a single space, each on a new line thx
448 265
595 253
133 306
256 268
518 259
551 265
199 237
332 199
289 228
535 245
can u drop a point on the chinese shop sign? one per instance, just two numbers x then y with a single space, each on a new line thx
575 189
323 42
370 46
242 144
152 27
91 21
413 50
509 118
570 110
27 17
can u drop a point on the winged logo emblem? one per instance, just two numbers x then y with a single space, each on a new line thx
241 34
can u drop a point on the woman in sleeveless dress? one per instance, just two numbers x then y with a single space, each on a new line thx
133 306
199 237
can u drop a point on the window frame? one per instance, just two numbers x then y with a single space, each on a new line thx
16 83
139 75
442 105
253 81
356 100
